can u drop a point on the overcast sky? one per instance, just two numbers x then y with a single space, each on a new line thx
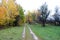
35 4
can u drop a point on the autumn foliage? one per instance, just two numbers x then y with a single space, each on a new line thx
9 12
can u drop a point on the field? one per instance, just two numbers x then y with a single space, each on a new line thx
46 33
12 33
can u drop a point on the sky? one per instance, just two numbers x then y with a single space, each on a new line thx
35 4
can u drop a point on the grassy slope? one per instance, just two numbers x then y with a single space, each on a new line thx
46 33
13 33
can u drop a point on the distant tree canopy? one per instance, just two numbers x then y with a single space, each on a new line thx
32 17
44 13
57 16
29 17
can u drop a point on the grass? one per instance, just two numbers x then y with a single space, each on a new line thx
12 33
46 33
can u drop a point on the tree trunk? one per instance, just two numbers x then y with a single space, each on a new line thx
43 23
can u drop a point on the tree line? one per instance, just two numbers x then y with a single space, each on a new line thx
42 14
11 14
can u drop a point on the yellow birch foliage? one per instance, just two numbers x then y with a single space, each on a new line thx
3 15
29 17
8 12
12 10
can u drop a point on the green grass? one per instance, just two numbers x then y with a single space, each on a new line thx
12 33
46 33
